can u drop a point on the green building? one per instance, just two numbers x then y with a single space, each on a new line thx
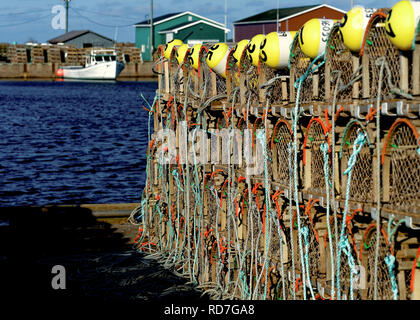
186 26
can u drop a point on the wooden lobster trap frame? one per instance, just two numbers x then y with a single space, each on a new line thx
249 83
313 86
193 78
367 254
176 75
341 62
401 168
281 139
401 68
161 67
313 157
232 76
362 184
211 83
277 93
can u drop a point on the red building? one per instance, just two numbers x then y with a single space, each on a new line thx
289 19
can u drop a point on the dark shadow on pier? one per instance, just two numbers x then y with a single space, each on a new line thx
99 259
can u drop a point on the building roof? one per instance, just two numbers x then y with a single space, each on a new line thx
184 25
157 19
166 17
283 13
74 34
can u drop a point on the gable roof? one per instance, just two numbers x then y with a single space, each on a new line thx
190 24
170 16
283 14
74 34
157 19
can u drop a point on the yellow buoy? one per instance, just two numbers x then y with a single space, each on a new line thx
353 26
313 36
239 49
275 49
169 46
401 24
217 58
194 56
253 49
181 52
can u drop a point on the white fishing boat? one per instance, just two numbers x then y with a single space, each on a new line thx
100 65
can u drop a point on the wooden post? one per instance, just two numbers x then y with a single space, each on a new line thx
262 80
337 169
213 84
402 285
327 83
166 68
365 76
356 63
292 85
307 171
403 73
315 85
181 80
416 70
416 292
322 251
229 76
284 94
242 89
275 162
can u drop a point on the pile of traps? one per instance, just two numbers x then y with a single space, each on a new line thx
288 166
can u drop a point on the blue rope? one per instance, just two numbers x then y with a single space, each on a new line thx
357 147
178 183
344 246
295 116
324 148
390 262
305 232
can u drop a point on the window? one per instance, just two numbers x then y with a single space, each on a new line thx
189 18
107 58
113 58
169 36
87 45
98 58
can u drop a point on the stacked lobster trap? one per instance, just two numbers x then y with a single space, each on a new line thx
288 183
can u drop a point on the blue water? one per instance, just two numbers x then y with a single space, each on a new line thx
72 143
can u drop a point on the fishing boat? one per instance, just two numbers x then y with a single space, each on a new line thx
100 65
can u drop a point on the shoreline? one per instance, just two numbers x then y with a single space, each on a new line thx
31 71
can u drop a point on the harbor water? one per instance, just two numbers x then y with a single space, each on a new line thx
72 142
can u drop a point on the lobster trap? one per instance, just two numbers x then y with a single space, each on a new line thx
400 78
313 157
312 88
401 169
211 83
361 188
342 69
274 85
249 83
281 141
